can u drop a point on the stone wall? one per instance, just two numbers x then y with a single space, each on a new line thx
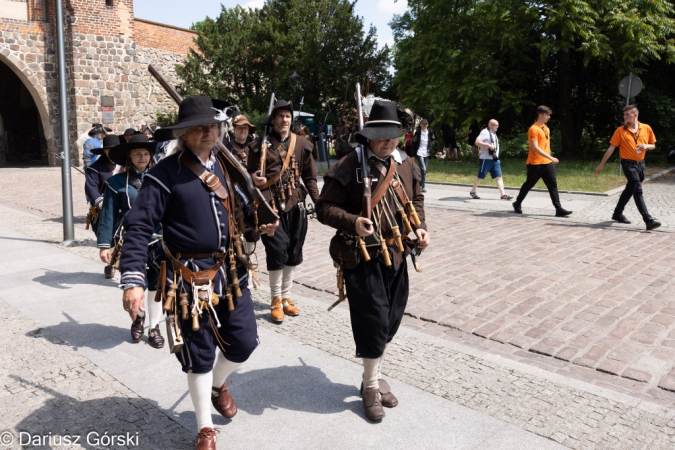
107 54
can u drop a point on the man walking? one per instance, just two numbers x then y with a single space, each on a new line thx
289 176
540 163
488 161
423 145
633 139
204 285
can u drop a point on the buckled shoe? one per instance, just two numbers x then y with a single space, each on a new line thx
137 328
372 404
222 401
206 439
289 307
277 310
155 337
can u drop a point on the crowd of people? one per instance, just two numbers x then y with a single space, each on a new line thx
179 211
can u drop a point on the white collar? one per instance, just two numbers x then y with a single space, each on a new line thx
395 154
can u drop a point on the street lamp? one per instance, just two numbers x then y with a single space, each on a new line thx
295 83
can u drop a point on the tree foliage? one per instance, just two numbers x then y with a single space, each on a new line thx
469 60
245 55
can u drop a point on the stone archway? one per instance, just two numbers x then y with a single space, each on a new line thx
27 132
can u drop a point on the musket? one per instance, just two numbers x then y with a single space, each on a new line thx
365 172
366 178
265 142
241 176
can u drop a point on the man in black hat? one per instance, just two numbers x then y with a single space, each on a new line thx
240 145
97 174
205 287
128 133
94 142
289 176
375 277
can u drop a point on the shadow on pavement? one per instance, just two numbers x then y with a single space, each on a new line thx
76 335
297 388
62 415
59 280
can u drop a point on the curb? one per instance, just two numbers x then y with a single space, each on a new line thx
651 178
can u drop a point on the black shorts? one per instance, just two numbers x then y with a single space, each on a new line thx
284 248
377 298
237 328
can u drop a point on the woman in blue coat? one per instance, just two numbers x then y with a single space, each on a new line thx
120 193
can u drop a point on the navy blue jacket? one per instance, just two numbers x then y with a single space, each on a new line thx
192 219
97 174
118 197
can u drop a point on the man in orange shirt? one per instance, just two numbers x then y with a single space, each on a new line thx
633 139
540 163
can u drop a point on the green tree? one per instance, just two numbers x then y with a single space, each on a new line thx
472 59
245 55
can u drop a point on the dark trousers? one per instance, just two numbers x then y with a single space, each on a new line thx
635 175
377 299
536 172
284 248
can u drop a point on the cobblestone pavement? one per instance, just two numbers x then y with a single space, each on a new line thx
50 388
584 300
48 392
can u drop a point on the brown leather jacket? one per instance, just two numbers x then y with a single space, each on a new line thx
275 161
341 199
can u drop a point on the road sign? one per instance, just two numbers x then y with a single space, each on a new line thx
630 84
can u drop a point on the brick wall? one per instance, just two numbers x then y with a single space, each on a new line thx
164 37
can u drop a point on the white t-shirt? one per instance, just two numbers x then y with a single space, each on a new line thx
423 151
484 136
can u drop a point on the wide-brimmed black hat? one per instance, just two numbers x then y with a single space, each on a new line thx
118 154
109 141
194 111
98 128
130 132
278 106
383 123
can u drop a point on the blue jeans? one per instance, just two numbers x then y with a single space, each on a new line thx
423 162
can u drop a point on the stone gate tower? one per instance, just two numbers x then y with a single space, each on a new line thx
108 51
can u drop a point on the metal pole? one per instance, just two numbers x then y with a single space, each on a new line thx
66 186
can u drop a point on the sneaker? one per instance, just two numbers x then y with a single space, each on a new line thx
516 208
424 190
474 196
653 224
620 218
562 213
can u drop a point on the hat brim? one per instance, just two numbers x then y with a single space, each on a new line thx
95 131
99 151
378 133
118 154
166 133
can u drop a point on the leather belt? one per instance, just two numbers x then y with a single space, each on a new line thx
214 255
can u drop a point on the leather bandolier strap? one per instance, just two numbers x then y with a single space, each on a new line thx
385 176
287 160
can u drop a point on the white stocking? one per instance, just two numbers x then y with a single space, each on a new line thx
379 366
153 309
275 283
222 369
200 392
370 366
287 281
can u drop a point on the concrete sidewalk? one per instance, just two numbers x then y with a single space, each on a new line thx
72 370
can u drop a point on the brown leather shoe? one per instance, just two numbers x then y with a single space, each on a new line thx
206 439
372 404
277 310
155 337
389 400
289 307
223 402
137 328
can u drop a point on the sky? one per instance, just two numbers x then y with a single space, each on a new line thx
184 13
